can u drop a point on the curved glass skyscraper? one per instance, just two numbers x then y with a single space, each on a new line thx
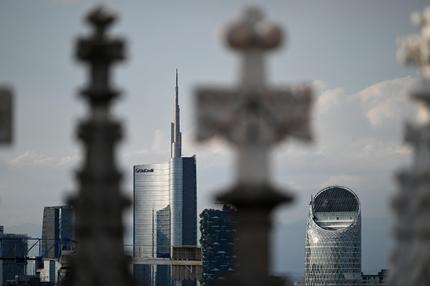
333 239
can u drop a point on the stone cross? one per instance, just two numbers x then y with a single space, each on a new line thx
410 262
253 117
99 205
6 115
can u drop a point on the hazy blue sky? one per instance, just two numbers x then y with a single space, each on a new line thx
346 49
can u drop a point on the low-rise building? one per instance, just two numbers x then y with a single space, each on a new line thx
13 251
375 279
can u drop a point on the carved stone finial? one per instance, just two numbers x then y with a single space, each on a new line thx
422 20
415 50
254 116
100 51
101 18
253 32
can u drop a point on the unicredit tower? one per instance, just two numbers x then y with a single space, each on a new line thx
164 208
333 239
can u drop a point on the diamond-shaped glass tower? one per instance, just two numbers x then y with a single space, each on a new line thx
333 239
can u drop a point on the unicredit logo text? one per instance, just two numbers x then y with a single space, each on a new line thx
144 170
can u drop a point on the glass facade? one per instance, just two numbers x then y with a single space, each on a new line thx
165 208
176 193
189 206
217 239
151 227
151 200
164 214
66 228
12 246
333 239
57 231
50 232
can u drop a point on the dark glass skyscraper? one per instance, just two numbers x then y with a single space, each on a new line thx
12 246
50 232
333 239
164 208
57 231
217 230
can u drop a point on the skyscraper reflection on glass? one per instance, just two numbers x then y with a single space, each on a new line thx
333 239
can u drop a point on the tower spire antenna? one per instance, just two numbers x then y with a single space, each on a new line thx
176 140
177 92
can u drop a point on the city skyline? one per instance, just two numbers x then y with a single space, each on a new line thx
354 70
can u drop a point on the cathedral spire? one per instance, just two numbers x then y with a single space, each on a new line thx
175 130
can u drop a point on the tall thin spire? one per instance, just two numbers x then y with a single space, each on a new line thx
175 130
176 82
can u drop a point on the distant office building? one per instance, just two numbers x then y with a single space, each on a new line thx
50 232
333 239
49 272
57 231
164 209
13 249
28 280
217 241
379 279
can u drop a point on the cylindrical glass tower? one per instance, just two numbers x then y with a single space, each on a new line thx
333 239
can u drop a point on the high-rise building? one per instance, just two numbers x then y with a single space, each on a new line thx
13 248
57 231
164 207
217 239
379 279
333 239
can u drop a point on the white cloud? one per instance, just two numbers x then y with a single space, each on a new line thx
38 159
387 102
157 151
358 143
341 180
366 124
328 98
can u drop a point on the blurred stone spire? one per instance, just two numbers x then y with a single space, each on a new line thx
253 117
411 257
99 203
